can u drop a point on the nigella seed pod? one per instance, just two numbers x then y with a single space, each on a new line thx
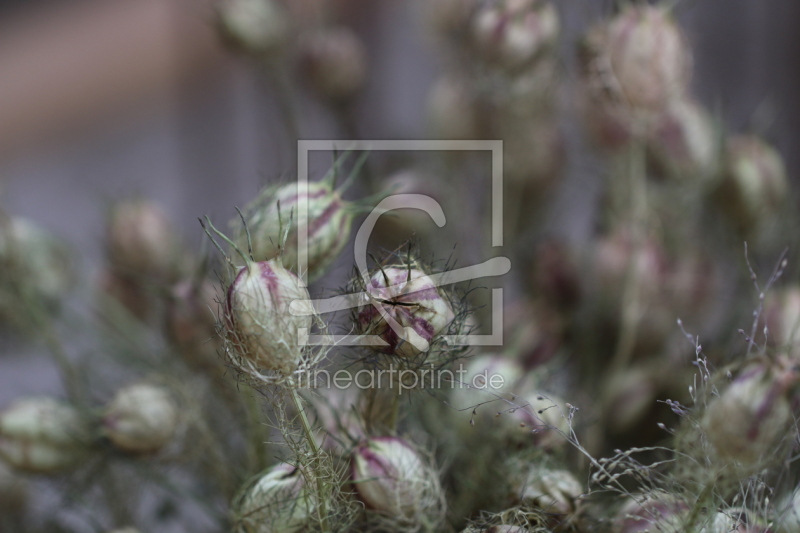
449 17
749 419
392 480
552 491
655 511
540 418
735 520
684 143
419 308
276 209
782 314
141 240
479 380
512 34
647 56
453 110
259 323
278 502
42 435
191 321
259 27
334 62
753 184
141 418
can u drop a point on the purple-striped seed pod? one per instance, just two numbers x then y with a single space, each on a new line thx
753 184
647 57
655 511
512 34
276 209
43 435
553 491
258 320
141 418
278 502
392 479
747 421
411 298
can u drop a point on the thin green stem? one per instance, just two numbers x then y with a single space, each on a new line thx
312 443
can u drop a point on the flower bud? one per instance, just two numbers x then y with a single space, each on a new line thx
141 418
648 57
393 480
259 27
753 184
42 435
512 34
747 421
328 225
141 240
684 143
258 319
410 297
655 511
552 491
191 320
278 502
453 111
334 62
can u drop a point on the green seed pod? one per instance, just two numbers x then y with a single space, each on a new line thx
278 502
141 418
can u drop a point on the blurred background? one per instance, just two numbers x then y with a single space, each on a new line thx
101 100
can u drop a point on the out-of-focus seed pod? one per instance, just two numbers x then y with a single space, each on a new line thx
278 502
512 34
749 419
259 27
410 297
552 491
141 241
35 270
753 184
481 377
540 418
392 480
450 17
648 57
684 144
334 62
787 518
258 319
191 321
496 529
335 411
453 109
142 418
633 394
276 209
656 511
733 521
130 293
42 435
782 313
534 153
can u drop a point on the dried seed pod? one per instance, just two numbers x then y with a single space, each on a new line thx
782 314
749 419
684 144
259 27
647 56
191 320
512 34
419 308
392 480
35 268
276 209
43 435
334 62
258 320
552 491
753 184
142 418
654 511
141 240
278 502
